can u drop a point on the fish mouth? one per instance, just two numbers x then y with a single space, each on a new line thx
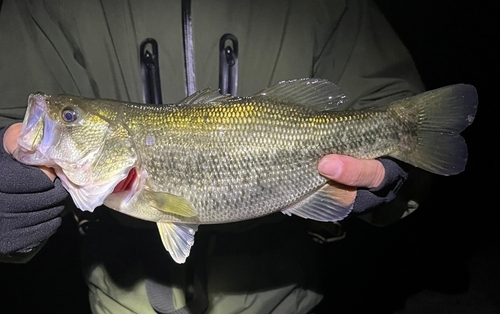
38 133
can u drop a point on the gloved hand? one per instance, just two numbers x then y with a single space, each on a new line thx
30 204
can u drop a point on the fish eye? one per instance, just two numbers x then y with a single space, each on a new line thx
69 115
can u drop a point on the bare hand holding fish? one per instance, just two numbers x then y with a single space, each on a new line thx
369 174
215 159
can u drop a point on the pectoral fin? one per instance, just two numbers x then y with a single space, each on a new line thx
332 202
177 239
169 203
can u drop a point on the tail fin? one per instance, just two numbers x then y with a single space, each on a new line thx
442 114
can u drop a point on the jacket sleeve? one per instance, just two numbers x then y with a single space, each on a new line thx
30 208
365 57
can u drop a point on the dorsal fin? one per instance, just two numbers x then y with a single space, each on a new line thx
316 94
204 96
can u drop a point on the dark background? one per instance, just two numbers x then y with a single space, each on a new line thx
444 258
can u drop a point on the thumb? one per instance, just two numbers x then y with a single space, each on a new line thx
368 173
10 144
10 137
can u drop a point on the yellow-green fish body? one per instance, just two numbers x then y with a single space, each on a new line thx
216 159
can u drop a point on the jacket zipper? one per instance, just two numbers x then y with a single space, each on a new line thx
150 69
187 34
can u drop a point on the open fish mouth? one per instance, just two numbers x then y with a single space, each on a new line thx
38 134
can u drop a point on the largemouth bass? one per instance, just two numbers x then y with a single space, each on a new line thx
213 158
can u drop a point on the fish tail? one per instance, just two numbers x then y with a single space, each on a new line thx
441 115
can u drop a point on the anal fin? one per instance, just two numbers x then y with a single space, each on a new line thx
177 239
332 202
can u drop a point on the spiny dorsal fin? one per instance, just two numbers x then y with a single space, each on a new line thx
204 96
316 94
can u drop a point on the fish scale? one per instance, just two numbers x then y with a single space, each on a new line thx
283 150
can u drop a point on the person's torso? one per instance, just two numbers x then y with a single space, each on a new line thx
276 42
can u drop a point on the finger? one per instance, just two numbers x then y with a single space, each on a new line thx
19 203
49 172
10 137
350 171
345 194
19 179
26 236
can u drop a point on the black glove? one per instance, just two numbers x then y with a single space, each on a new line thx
30 205
386 192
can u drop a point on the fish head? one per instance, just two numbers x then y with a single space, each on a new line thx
52 132
82 140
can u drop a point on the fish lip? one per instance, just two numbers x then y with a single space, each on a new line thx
37 134
35 114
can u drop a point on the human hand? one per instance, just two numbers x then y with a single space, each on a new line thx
31 203
352 173
10 144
